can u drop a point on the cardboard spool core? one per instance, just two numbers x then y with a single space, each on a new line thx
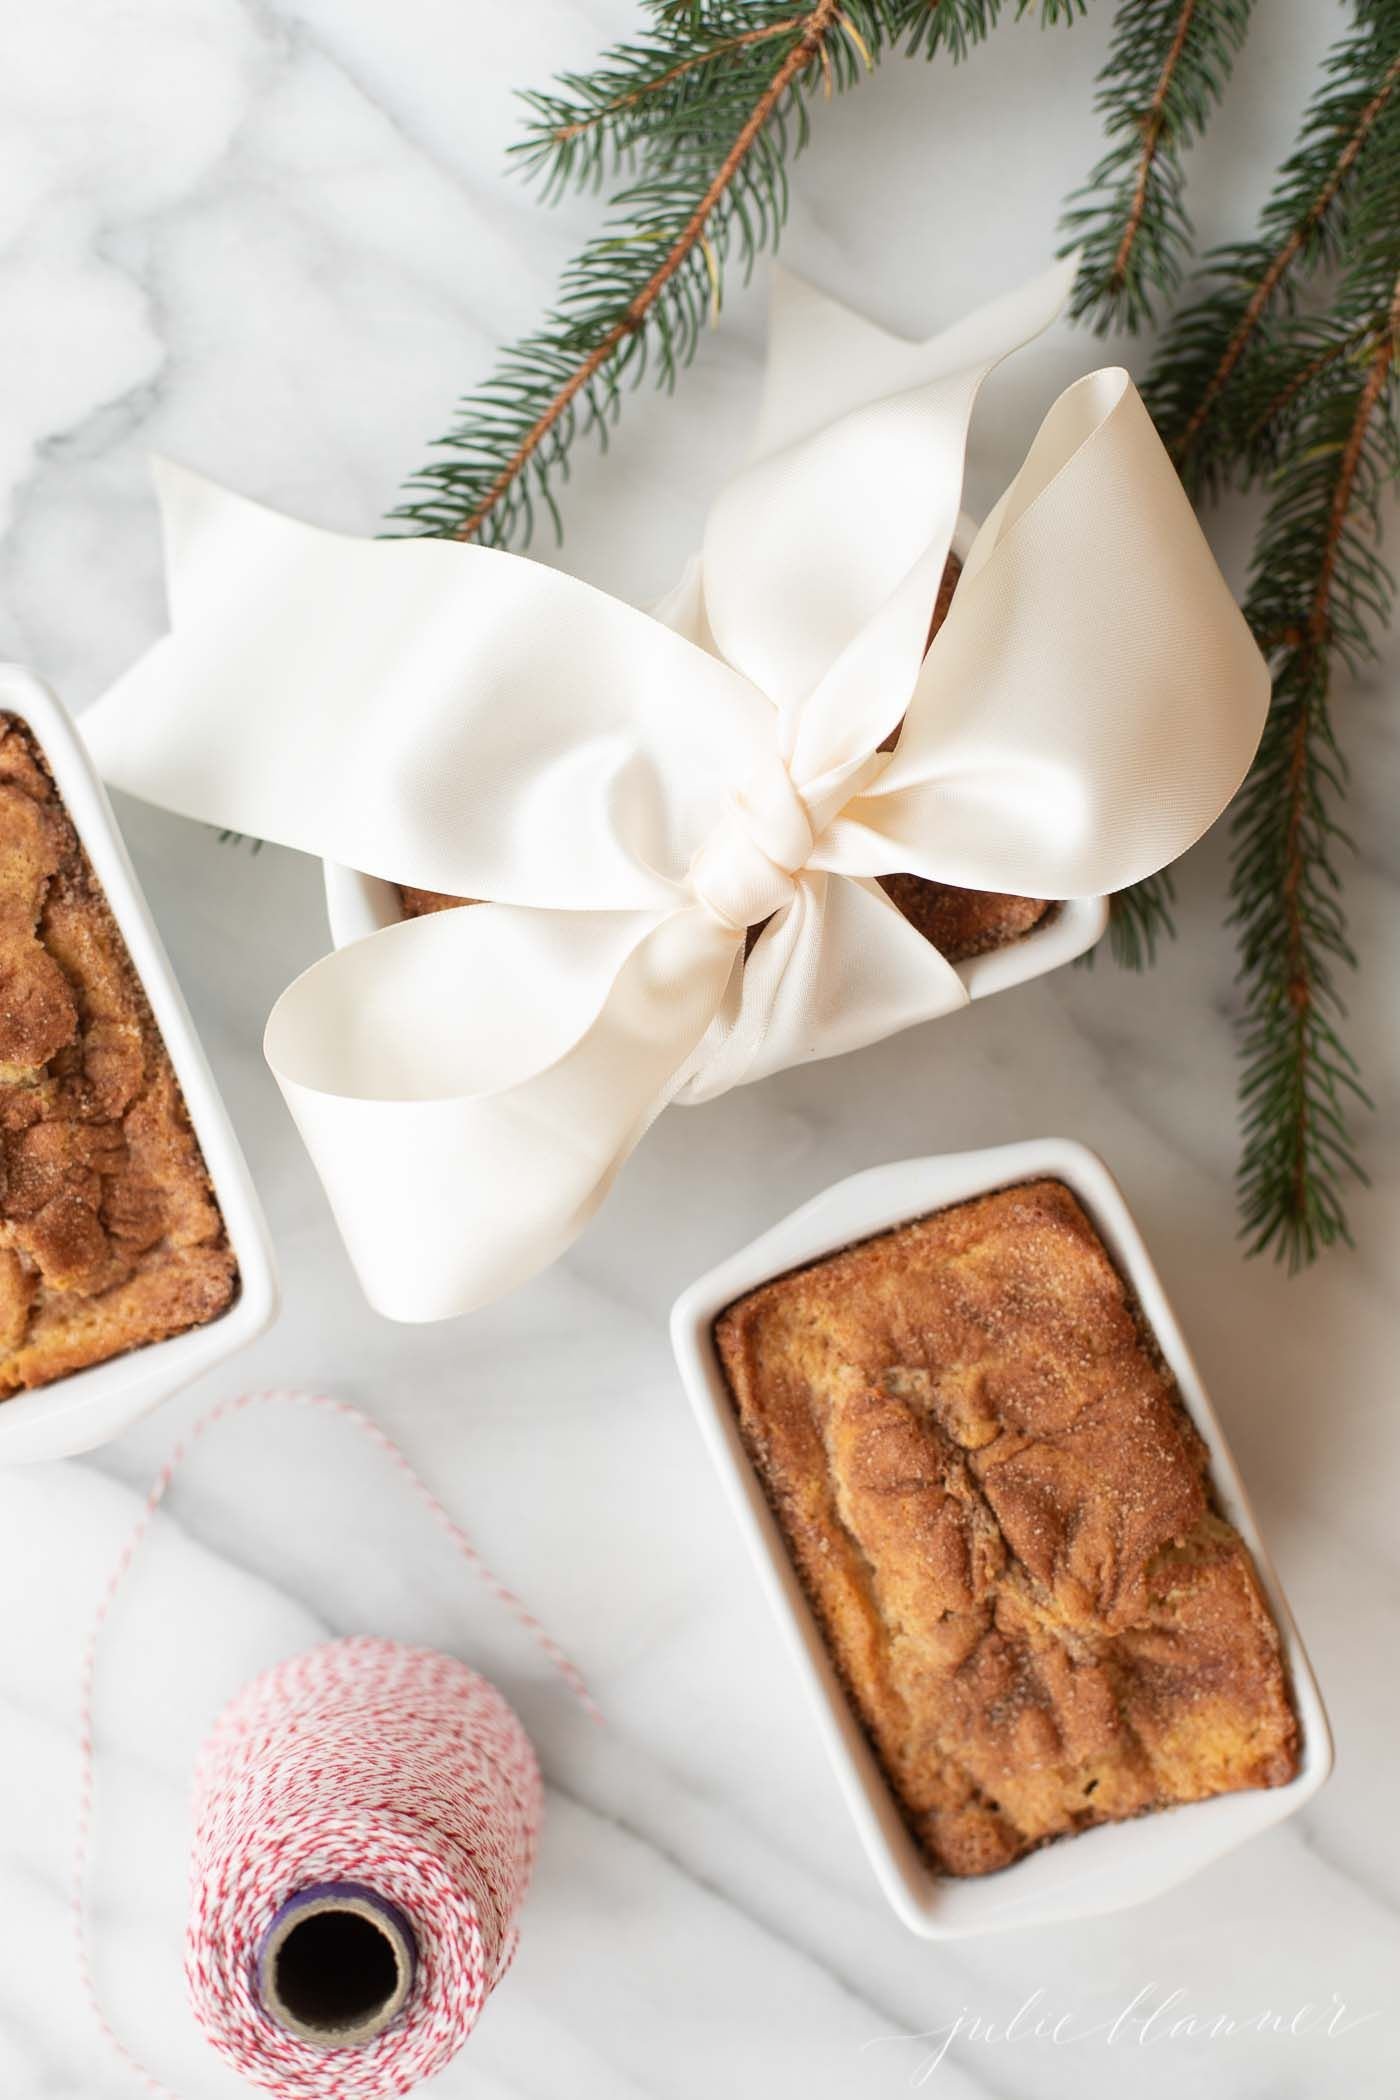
336 1964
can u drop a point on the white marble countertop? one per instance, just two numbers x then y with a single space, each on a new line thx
274 240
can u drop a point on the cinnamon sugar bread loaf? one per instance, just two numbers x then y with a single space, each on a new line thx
109 1233
1002 1516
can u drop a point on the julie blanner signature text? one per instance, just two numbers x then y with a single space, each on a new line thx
1156 2016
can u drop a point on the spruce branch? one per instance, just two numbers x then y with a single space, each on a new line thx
1318 577
705 111
1167 67
619 303
928 27
1250 385
1140 917
1191 392
1320 592
601 118
1285 385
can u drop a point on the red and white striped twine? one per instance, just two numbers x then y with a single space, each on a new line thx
362 1760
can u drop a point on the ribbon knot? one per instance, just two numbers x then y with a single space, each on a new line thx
746 869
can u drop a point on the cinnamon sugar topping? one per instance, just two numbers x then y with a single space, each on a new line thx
1002 1516
109 1234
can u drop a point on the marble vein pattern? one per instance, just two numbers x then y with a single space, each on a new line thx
274 239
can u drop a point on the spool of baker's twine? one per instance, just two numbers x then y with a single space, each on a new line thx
365 1826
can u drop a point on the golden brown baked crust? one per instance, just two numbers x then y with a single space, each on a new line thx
963 923
1001 1513
109 1234
417 903
959 923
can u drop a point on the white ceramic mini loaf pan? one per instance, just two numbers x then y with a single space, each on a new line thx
75 1413
358 904
1097 1870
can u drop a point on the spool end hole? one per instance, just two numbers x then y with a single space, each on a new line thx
338 1974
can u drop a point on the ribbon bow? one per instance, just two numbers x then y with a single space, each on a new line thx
633 793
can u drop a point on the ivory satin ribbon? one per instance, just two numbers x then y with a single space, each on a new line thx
632 791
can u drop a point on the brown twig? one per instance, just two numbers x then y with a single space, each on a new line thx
1382 359
562 133
1300 985
1283 261
820 19
1153 124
